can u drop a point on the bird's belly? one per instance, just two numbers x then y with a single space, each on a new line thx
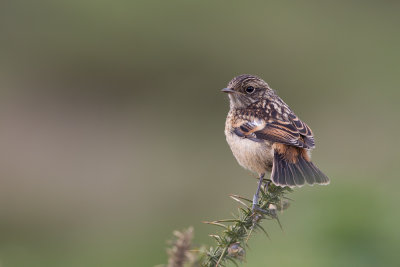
254 156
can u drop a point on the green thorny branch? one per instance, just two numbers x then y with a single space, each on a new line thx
232 241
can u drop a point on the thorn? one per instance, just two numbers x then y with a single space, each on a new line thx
240 197
216 223
238 200
280 225
220 258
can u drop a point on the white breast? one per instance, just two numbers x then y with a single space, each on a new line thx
254 156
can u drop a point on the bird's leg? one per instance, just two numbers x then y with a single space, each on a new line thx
255 198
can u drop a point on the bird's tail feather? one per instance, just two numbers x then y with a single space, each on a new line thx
296 173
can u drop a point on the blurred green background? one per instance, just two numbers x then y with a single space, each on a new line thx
112 127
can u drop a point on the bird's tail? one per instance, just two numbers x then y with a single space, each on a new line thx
292 167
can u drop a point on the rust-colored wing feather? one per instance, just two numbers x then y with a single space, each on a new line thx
281 125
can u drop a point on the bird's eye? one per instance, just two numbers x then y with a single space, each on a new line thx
250 89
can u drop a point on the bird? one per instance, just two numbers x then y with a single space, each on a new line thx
265 136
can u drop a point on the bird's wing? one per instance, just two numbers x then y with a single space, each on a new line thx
281 127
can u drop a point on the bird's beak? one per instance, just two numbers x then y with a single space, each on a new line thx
228 90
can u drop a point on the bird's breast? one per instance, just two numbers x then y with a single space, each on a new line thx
254 156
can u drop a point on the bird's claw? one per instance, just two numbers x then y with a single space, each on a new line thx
260 210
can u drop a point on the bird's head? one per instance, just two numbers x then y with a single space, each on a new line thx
247 89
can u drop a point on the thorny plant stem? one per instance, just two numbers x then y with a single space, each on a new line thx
232 241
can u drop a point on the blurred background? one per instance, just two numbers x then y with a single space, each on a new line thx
112 126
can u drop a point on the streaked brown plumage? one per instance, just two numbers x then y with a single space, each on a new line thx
266 136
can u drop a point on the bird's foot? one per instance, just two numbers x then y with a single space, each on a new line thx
266 185
260 210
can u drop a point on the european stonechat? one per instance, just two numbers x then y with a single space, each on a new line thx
266 136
